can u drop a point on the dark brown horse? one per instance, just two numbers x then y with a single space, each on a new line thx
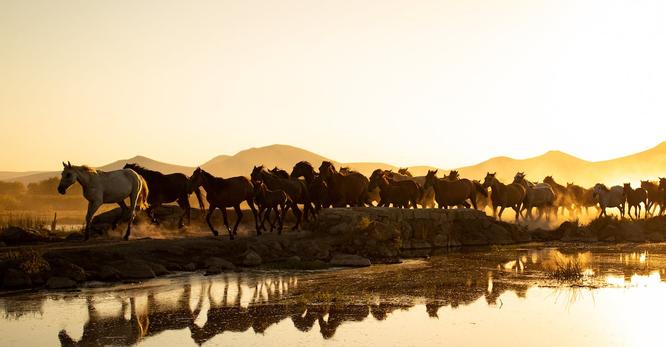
279 172
655 198
271 200
398 193
563 199
634 199
295 188
452 192
222 193
405 171
504 195
317 187
344 189
163 189
581 197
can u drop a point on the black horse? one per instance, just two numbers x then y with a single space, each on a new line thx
163 189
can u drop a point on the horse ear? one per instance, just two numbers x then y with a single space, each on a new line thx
64 166
435 172
69 164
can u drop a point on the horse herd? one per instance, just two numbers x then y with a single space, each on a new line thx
274 192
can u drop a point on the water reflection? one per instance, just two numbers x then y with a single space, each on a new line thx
199 310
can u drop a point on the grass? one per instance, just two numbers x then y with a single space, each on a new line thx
30 260
566 267
23 220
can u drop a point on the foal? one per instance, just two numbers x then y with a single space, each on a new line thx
269 200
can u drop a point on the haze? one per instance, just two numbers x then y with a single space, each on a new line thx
442 83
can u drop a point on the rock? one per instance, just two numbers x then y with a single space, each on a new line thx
16 236
349 260
159 269
294 258
252 259
189 267
339 228
58 282
135 270
108 273
215 265
15 278
63 268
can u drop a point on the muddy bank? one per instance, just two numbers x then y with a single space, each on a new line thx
339 237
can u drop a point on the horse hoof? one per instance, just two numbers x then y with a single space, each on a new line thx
215 233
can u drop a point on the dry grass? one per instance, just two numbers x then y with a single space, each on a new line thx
30 260
24 220
566 267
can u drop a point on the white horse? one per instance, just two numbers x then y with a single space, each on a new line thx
613 197
539 195
101 187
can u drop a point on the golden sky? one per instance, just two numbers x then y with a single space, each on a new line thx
445 83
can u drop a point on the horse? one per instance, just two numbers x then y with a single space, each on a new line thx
279 172
504 195
451 193
271 200
634 197
295 188
581 197
613 197
398 193
317 187
427 199
562 197
101 187
453 175
165 189
344 189
222 193
655 198
539 195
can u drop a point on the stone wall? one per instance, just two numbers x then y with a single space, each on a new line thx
388 232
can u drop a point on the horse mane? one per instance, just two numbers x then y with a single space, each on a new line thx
88 169
603 187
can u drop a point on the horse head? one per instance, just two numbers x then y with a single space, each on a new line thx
68 176
489 179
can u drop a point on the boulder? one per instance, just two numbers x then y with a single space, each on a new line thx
349 260
63 268
58 282
16 236
15 278
252 259
215 265
135 270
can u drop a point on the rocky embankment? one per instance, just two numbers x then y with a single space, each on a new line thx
339 237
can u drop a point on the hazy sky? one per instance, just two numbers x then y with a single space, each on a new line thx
444 83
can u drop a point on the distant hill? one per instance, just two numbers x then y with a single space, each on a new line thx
648 164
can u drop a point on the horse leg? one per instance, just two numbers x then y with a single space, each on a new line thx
184 203
133 200
211 209
297 214
254 214
239 217
500 212
123 210
226 222
92 208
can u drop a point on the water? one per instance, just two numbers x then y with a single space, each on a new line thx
500 297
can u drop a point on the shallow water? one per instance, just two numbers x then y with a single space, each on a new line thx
500 297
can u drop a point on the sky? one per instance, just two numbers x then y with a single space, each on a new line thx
443 83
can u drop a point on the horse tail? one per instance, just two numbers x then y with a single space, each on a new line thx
142 197
197 193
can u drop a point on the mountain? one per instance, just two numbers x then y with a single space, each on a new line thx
241 163
648 164
141 160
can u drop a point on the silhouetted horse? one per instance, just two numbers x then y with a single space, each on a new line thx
452 193
581 197
222 193
317 187
279 172
562 197
344 189
398 193
163 189
613 197
271 200
504 195
295 188
539 195
427 199
634 197
655 198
